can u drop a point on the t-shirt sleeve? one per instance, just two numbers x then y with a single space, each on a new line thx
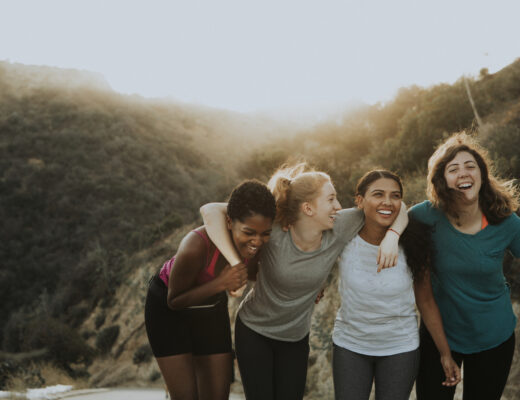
514 246
348 223
424 212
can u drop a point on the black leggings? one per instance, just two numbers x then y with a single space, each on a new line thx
485 373
271 369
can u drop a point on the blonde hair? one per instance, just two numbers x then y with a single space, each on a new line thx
497 198
292 186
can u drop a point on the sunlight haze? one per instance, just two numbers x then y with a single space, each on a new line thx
263 56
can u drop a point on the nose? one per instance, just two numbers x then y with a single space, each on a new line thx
257 241
337 205
387 200
463 173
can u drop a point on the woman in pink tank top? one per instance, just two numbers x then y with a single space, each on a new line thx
186 314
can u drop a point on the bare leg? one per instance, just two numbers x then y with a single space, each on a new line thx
213 376
179 374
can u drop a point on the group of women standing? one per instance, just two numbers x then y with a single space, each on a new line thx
448 262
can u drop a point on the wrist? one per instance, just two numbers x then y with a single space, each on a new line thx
394 231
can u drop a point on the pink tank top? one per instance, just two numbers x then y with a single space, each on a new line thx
206 275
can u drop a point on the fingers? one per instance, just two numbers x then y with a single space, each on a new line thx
452 372
238 292
388 261
235 277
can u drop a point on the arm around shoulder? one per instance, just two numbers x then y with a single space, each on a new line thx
214 217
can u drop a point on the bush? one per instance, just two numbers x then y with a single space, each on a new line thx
106 338
100 320
142 355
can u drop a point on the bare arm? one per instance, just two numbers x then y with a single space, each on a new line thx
214 217
190 259
432 319
388 249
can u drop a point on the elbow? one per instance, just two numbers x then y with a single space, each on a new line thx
204 210
173 303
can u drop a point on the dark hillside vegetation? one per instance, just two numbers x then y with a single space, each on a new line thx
90 178
87 178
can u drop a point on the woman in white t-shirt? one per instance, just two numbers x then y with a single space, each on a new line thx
376 335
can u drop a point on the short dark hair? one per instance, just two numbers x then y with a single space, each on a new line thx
251 197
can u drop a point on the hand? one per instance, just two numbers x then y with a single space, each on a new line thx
451 370
319 296
237 293
233 278
388 250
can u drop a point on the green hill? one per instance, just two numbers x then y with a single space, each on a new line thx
92 181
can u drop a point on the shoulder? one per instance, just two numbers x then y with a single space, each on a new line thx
277 233
512 221
194 245
425 212
511 225
350 216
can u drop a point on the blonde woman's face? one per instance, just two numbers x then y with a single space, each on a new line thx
326 206
462 174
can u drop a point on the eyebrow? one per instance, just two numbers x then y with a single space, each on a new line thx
465 162
381 190
252 230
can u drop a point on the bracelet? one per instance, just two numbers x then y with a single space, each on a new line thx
393 230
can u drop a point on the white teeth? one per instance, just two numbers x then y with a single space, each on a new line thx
465 185
385 212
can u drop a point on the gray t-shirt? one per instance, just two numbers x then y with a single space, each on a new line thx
281 303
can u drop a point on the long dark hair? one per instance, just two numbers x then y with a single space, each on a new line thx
418 248
497 199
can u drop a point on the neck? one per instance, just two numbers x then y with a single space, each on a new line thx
306 236
467 214
372 234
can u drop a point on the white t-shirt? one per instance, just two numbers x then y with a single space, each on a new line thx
377 315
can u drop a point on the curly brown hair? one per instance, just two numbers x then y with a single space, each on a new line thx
497 198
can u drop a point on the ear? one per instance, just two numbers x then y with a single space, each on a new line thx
307 209
229 223
359 201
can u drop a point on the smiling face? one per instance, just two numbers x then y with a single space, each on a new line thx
249 236
381 202
325 207
462 174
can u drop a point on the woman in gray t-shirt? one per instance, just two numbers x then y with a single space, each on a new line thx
273 323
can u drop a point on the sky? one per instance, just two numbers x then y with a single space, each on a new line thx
264 55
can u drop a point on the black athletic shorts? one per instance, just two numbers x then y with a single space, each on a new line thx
200 331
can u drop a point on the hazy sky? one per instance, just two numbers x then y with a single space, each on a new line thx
255 55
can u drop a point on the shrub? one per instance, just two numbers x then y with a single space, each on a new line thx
142 355
106 338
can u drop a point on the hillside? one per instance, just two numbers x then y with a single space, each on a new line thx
97 189
89 177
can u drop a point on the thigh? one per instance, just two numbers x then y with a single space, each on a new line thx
485 373
179 375
290 369
352 373
213 376
431 375
168 331
255 362
395 375
210 330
